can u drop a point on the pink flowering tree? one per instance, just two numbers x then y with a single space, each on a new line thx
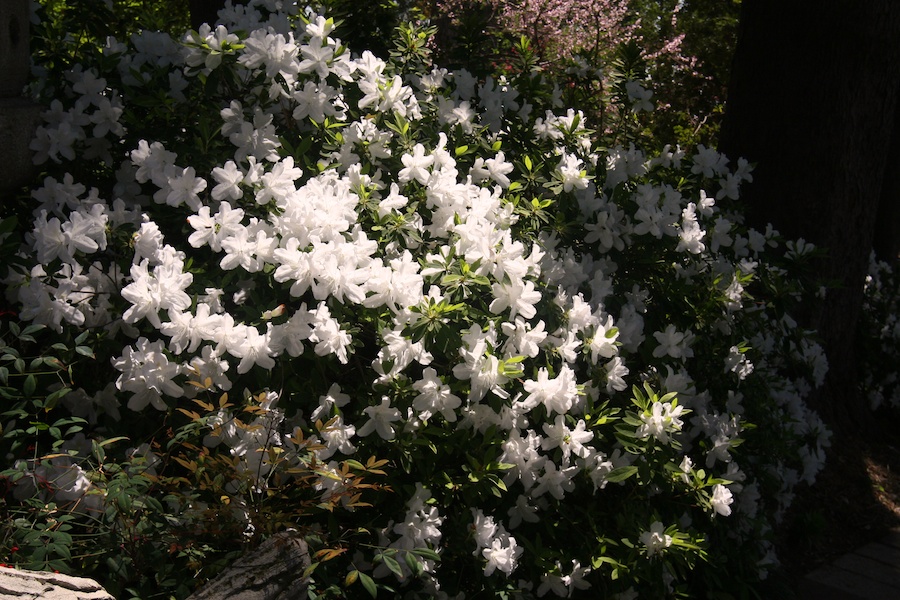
679 51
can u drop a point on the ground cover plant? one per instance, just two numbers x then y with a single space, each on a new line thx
463 342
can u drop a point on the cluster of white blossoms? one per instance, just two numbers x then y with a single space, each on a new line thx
346 227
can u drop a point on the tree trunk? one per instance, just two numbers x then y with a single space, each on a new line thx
887 227
812 101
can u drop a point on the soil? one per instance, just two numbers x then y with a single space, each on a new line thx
855 500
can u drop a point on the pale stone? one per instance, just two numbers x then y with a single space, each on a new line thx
16 584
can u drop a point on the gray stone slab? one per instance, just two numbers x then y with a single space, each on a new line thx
17 584
892 539
870 568
883 553
810 589
853 585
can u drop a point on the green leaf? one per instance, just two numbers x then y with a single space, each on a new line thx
29 386
599 560
98 451
8 224
414 565
393 565
33 328
621 474
54 397
368 584
85 351
427 553
53 363
112 440
309 570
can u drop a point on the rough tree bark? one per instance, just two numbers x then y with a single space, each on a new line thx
812 101
887 227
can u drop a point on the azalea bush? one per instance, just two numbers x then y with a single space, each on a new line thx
422 317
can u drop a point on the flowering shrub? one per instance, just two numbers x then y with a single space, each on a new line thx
577 363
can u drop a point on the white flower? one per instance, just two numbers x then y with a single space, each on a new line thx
316 57
328 335
558 394
721 500
415 165
519 297
708 162
150 293
554 480
661 421
315 102
151 161
228 181
639 96
184 187
212 230
337 438
656 540
690 233
615 375
603 342
480 366
570 173
522 511
434 397
147 371
522 338
278 183
673 343
502 555
380 419
333 398
483 528
686 466
738 363
252 347
570 441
